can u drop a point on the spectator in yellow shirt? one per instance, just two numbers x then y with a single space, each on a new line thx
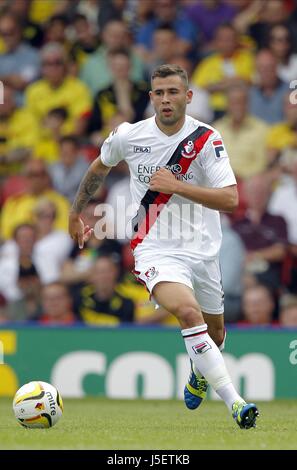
19 209
57 89
224 68
18 133
50 134
244 134
40 12
284 134
145 312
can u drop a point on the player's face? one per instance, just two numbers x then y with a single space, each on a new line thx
169 97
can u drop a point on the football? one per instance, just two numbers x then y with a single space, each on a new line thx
37 405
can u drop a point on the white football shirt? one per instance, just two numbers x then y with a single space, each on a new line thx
171 224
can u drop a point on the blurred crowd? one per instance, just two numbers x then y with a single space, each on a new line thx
73 70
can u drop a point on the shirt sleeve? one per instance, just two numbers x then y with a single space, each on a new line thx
216 164
112 148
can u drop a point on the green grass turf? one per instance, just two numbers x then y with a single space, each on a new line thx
96 423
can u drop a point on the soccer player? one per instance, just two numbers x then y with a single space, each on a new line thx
180 179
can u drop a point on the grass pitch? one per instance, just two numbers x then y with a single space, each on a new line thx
95 423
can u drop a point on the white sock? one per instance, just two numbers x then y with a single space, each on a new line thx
221 348
229 395
208 359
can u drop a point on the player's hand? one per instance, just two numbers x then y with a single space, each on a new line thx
163 181
78 231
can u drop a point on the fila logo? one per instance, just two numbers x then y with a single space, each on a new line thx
140 149
219 149
201 347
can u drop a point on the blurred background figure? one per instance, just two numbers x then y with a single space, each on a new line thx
269 14
55 30
66 173
288 311
92 10
166 11
283 135
208 15
95 72
18 209
283 203
28 307
99 303
227 66
123 97
268 92
3 310
32 32
263 234
19 62
52 246
51 131
232 258
18 134
281 44
284 199
56 305
239 128
164 47
257 306
85 40
40 12
14 254
57 88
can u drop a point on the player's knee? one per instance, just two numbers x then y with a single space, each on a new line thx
188 315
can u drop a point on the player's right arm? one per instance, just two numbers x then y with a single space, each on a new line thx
91 182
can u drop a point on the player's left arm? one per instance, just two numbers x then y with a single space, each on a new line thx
220 194
222 199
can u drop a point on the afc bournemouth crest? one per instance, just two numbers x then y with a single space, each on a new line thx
189 150
151 273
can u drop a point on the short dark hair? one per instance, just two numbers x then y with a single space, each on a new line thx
58 18
57 284
61 113
79 17
226 25
165 26
167 70
70 139
120 51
